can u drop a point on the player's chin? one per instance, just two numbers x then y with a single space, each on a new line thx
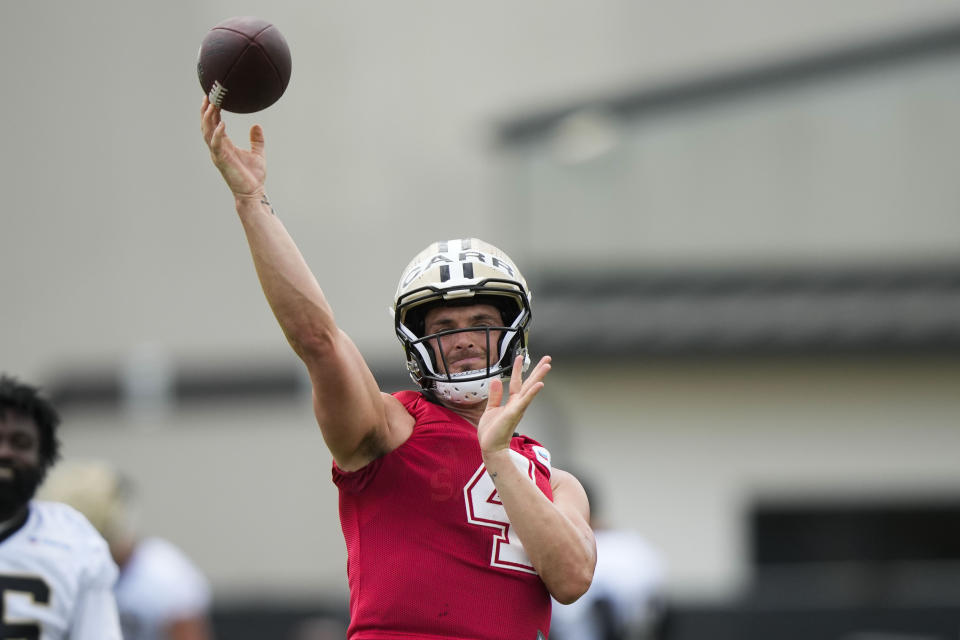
19 489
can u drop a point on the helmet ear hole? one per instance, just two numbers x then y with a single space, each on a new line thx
415 319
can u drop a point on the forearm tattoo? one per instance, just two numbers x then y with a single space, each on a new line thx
265 201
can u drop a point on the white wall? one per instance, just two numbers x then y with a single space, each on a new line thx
844 169
117 231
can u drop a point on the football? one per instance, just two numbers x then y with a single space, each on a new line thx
244 64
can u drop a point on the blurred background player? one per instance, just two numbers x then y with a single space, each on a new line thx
56 574
161 594
626 600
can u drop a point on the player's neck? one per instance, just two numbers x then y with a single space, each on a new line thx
469 412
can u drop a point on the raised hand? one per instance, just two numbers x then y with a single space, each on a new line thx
244 171
498 423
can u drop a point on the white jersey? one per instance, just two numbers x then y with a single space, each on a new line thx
158 585
56 578
629 577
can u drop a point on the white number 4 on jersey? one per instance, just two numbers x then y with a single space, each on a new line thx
484 509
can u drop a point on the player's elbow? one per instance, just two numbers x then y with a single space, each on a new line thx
574 584
568 594
314 345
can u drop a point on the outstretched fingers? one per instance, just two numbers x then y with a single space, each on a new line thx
212 126
516 376
244 171
209 116
257 141
523 391
539 372
495 393
216 138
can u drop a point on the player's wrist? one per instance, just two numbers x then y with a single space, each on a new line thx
256 200
496 458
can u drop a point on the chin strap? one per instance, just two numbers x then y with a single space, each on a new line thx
469 392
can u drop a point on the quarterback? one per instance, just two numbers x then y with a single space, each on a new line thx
56 574
456 526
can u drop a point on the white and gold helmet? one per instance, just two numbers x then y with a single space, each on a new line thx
96 490
466 271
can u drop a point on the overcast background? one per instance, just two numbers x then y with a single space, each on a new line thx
120 252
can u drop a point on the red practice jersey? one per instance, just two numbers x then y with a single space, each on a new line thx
430 551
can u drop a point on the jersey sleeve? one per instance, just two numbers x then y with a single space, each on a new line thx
355 481
535 451
95 616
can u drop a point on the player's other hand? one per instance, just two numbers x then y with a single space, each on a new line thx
244 171
499 422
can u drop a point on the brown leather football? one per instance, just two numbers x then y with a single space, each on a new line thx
244 64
